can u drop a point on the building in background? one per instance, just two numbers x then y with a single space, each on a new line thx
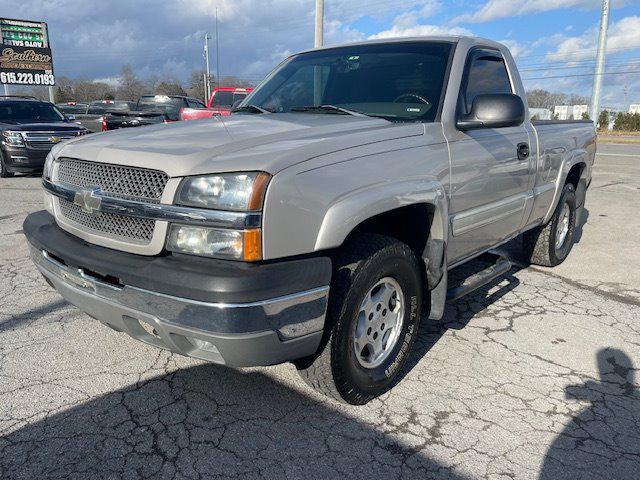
570 112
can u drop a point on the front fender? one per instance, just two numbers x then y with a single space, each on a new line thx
350 210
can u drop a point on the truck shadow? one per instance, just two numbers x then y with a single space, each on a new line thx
602 440
211 421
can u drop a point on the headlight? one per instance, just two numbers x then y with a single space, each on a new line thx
48 163
228 191
13 139
216 242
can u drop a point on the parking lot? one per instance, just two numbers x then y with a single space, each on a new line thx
533 376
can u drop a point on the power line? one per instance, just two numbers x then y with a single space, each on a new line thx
582 75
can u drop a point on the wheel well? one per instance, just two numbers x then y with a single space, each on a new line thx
410 225
573 177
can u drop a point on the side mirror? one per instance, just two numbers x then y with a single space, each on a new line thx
495 110
71 118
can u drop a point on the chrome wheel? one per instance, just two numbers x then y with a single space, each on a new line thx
563 226
379 323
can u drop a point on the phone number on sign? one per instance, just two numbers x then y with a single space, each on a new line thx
27 78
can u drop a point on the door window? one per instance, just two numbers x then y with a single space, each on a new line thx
486 73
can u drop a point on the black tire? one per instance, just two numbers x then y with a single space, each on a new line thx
540 243
361 263
4 173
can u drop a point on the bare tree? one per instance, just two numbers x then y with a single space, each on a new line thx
169 88
131 88
232 81
539 98
195 84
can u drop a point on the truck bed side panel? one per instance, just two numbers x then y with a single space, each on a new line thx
560 146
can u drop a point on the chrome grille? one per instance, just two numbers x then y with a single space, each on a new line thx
114 180
115 226
132 183
43 140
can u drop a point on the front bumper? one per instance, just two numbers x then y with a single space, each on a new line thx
23 159
267 325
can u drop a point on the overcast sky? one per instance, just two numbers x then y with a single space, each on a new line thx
554 41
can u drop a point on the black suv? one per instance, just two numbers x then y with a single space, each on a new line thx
29 128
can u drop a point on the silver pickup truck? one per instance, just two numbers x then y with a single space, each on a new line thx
317 223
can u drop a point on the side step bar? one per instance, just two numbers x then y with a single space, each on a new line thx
477 280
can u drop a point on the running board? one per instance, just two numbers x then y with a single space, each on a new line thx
477 280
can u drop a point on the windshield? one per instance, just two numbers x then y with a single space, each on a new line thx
29 112
398 81
170 106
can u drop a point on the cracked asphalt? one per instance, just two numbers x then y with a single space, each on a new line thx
532 377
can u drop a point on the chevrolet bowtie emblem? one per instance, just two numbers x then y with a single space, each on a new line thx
88 200
54 139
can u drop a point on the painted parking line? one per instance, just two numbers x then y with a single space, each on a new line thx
618 155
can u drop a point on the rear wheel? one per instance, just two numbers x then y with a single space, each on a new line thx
550 245
372 320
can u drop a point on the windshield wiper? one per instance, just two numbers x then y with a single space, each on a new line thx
327 109
251 108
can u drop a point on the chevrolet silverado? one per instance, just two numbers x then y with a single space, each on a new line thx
317 224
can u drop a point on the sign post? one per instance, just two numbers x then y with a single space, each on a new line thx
25 53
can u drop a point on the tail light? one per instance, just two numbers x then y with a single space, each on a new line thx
103 122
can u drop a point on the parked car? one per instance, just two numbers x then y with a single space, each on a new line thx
318 223
71 109
29 128
170 105
220 103
101 115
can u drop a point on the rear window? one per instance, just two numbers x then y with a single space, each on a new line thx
160 103
227 99
73 109
98 108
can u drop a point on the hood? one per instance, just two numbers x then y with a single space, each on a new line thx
42 127
267 142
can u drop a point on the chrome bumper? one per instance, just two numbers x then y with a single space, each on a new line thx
290 326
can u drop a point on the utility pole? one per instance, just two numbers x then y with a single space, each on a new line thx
218 77
600 59
319 38
317 43
207 83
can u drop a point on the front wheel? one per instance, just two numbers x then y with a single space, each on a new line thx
372 321
550 245
4 173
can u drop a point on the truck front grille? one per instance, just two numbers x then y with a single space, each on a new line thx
132 183
46 140
139 230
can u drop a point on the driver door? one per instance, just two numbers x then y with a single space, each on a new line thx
489 179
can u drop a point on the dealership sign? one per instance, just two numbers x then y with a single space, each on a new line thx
25 53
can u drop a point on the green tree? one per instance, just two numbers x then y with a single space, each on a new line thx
603 120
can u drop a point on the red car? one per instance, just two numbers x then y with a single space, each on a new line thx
220 103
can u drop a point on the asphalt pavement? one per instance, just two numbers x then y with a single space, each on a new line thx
532 377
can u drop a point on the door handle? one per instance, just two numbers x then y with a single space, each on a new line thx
523 151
